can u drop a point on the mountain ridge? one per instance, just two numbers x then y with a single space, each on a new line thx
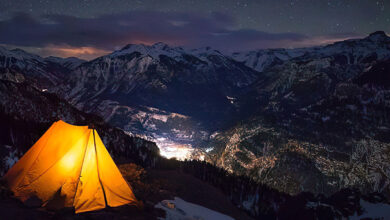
188 97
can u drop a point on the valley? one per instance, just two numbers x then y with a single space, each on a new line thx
308 120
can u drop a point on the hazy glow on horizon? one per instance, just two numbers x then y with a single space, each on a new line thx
88 29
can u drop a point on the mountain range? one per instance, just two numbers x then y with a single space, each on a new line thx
308 119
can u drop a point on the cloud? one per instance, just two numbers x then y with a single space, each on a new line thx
86 53
67 35
328 39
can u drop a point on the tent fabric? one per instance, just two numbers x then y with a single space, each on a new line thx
69 166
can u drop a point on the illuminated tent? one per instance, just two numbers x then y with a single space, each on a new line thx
69 167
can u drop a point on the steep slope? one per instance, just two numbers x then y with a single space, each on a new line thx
183 96
322 122
354 51
260 60
321 119
26 113
69 63
41 72
309 113
138 83
160 76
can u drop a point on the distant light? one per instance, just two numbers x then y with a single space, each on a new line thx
180 152
209 149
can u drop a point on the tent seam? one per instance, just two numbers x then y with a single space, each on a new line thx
97 167
81 170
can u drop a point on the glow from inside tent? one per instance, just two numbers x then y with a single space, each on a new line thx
68 161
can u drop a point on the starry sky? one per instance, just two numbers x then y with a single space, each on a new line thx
90 28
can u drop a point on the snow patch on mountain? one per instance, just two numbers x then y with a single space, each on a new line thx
153 51
69 62
373 211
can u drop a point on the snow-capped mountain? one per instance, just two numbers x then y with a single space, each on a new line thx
42 72
375 46
181 97
262 59
142 85
307 115
69 62
321 123
159 67
154 51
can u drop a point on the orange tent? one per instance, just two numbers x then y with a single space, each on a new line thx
69 167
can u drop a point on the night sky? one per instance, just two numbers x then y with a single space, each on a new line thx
91 28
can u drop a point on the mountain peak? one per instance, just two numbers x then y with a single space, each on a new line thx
204 51
160 45
378 36
154 50
142 47
381 33
18 53
132 46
